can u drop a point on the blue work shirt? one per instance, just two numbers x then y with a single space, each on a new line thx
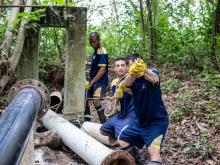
149 106
99 59
126 102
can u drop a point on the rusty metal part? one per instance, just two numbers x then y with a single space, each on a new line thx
118 157
39 86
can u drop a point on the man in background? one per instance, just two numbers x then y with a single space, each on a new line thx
98 77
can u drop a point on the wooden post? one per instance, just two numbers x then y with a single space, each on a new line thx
74 92
28 64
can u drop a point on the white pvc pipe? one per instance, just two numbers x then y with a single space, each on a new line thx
93 129
57 94
92 151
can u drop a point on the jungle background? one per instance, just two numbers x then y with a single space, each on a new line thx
181 38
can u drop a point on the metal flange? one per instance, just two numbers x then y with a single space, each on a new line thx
119 157
39 86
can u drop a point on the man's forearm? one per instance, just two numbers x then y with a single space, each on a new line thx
150 76
99 75
129 80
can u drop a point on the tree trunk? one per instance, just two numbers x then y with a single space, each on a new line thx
215 32
1 3
152 30
143 28
14 59
117 21
156 4
5 46
116 11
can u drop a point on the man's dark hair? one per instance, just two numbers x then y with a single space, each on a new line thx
122 59
134 56
94 34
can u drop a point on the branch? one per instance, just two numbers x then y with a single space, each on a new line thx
14 59
5 46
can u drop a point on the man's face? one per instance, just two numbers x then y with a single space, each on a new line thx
94 42
120 67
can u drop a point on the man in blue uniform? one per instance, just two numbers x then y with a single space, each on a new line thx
152 120
98 75
126 113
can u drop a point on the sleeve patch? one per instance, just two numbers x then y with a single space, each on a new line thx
114 82
101 64
101 51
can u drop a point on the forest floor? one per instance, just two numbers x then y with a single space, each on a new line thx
193 136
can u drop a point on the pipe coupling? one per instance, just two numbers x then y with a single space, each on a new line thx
39 87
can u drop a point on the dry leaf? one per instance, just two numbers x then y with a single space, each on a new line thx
211 162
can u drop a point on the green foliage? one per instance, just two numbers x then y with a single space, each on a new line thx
203 151
51 47
59 2
183 96
177 114
182 111
171 85
43 76
212 79
32 16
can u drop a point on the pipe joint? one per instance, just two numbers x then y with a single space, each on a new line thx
39 87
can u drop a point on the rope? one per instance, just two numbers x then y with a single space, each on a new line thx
56 107
114 110
78 120
115 101
99 98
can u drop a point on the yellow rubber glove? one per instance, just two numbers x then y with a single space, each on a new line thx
138 68
87 85
118 93
120 90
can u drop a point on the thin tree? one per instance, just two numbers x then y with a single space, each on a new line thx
152 32
117 21
1 3
215 32
5 46
143 28
152 13
14 59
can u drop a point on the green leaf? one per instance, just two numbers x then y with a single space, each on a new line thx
186 150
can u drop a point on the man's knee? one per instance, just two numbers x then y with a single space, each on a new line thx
104 133
123 144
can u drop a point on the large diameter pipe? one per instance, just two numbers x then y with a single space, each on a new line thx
89 149
93 129
27 97
16 123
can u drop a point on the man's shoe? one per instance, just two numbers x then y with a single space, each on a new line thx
134 153
101 115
